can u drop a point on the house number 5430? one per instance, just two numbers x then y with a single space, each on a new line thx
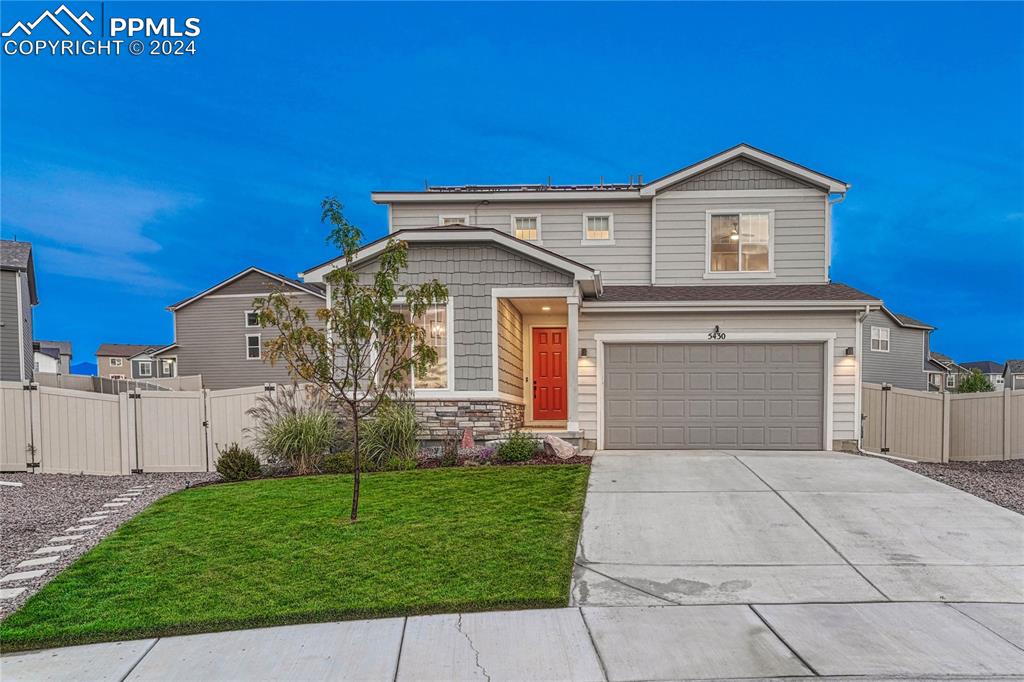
716 335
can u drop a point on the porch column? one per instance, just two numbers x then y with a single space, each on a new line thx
573 361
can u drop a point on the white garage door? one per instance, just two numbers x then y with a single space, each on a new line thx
721 395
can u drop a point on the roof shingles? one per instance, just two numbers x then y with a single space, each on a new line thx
832 292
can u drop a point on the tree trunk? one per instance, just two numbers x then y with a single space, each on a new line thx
355 463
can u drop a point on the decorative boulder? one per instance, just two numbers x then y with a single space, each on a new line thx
559 448
467 439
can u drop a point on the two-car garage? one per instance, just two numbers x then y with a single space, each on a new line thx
767 396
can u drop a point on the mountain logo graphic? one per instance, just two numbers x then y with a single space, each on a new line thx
69 16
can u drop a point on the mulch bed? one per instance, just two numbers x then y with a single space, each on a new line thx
1001 483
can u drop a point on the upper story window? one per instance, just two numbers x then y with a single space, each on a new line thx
526 227
167 366
116 362
145 369
598 228
739 242
880 339
453 220
252 347
950 380
252 319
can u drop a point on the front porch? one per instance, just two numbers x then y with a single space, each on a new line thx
535 342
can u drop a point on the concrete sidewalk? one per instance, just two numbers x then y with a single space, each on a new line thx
589 643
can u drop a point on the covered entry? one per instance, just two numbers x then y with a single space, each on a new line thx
714 395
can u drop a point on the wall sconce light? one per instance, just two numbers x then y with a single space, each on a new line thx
849 350
583 352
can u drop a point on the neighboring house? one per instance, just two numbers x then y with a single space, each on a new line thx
52 357
993 370
218 336
1013 375
694 311
952 372
17 298
895 351
133 361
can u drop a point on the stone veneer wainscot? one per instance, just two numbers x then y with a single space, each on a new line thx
441 418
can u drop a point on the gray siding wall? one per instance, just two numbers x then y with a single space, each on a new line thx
156 368
9 340
470 271
26 327
799 236
627 261
211 332
253 283
740 174
510 349
903 365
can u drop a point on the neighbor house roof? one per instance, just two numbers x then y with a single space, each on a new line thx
309 288
945 360
908 321
64 347
985 366
755 293
17 256
49 352
452 234
125 350
602 190
1014 367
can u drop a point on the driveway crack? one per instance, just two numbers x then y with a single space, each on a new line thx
476 652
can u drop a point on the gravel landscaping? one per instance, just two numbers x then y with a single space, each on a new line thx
1001 483
45 505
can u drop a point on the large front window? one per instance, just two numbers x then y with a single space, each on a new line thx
740 242
436 325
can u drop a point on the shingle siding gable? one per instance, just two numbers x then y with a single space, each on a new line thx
740 174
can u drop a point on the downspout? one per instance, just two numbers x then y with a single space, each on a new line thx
829 203
654 239
858 351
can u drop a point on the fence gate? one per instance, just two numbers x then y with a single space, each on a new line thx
18 406
905 423
167 431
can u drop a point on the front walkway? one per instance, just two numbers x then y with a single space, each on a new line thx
697 565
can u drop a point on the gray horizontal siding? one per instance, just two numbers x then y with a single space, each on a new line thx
739 174
903 365
470 271
628 261
799 236
210 334
10 342
253 283
26 327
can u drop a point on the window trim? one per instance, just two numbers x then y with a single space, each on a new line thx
173 359
950 380
585 241
739 274
259 346
887 339
246 318
148 364
536 216
119 363
463 218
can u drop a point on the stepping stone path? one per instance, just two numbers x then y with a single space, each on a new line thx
53 552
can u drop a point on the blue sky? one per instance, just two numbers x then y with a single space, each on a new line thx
143 179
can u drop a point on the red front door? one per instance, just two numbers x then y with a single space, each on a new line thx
549 380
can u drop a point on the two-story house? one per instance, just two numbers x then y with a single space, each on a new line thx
692 311
123 361
217 334
897 352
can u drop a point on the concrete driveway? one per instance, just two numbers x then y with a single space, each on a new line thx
855 565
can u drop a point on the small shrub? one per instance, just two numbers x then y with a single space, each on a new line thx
399 464
236 463
518 447
450 451
393 432
975 382
338 463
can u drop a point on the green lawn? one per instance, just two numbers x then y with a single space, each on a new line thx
282 551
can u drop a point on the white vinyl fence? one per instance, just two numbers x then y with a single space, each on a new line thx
943 427
58 430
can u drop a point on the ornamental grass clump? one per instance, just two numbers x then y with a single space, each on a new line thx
295 427
393 434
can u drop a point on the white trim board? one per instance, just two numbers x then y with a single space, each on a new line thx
828 338
233 278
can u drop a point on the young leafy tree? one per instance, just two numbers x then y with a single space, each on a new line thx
975 382
362 348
